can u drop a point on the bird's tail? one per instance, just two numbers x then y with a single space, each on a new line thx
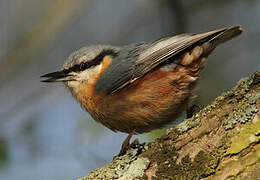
206 43
214 38
226 34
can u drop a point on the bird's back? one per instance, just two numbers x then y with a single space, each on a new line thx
155 94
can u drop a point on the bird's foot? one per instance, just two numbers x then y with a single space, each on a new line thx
126 144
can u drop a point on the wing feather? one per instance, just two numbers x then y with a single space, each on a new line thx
142 58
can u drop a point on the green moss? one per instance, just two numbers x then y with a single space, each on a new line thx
243 111
230 110
247 135
245 164
243 104
166 157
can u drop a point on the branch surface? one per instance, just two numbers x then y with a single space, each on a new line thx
219 142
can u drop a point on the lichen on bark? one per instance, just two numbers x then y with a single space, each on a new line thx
222 141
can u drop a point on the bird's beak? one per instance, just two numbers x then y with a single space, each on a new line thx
58 76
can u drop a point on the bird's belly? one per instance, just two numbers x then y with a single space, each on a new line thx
149 103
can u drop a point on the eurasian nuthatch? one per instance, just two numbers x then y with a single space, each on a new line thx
139 87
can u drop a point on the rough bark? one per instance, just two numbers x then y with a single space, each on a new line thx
222 141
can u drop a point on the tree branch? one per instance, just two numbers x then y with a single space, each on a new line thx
219 142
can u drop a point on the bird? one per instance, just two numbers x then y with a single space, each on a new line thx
139 87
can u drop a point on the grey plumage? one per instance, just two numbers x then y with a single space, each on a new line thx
134 61
86 54
98 77
121 70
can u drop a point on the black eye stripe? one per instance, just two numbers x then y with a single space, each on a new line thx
85 65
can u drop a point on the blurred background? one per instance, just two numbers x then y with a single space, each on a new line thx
44 133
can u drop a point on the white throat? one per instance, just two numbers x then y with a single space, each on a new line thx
87 76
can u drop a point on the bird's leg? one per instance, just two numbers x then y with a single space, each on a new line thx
190 111
126 144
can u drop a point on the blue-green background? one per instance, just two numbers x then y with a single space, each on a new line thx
44 134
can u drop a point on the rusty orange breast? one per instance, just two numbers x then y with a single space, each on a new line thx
148 103
87 96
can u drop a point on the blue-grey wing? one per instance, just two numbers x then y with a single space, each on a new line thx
121 69
135 60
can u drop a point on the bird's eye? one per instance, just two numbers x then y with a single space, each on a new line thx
88 64
84 66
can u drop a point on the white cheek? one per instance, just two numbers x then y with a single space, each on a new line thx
88 76
73 86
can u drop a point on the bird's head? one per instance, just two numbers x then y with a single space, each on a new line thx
83 66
